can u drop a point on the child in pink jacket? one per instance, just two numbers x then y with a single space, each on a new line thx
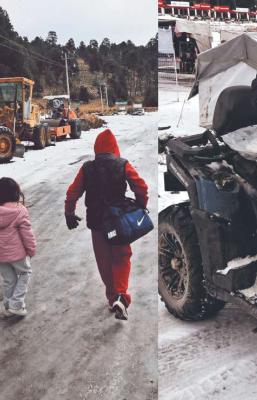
17 244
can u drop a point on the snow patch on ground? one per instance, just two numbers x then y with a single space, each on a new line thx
177 111
68 314
183 118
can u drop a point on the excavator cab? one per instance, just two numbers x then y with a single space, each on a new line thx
15 101
10 102
19 118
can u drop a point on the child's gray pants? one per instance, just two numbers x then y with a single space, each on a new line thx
16 276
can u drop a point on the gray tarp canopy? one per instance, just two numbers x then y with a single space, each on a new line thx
211 62
199 30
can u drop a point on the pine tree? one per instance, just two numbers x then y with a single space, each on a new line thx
52 38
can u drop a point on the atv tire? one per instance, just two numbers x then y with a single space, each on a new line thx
39 137
75 129
180 278
7 144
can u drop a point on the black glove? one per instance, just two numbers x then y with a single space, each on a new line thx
72 221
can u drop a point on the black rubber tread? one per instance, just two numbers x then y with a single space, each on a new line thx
39 137
75 128
48 135
196 303
8 134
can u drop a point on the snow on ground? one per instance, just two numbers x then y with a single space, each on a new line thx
182 115
177 111
215 39
70 346
165 199
214 359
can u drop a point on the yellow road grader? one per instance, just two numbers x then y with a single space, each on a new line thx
20 120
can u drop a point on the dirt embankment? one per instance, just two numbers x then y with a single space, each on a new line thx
91 121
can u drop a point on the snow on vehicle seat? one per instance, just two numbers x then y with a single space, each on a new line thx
243 141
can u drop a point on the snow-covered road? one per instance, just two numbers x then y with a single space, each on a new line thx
70 346
209 360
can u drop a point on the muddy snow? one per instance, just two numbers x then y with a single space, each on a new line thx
209 360
70 346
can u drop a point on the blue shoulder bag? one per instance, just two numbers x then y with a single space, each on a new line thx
126 222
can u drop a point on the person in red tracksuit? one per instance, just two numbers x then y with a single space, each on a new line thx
113 261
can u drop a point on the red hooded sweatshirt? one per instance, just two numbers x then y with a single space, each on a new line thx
106 143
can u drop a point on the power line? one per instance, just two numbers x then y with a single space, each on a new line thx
32 56
32 53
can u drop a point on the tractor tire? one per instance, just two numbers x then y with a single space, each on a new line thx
75 129
48 136
7 144
39 137
180 277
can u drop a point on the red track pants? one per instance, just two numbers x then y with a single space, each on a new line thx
114 266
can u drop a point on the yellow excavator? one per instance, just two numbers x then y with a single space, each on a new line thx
19 119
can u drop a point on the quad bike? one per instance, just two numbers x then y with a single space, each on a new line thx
208 244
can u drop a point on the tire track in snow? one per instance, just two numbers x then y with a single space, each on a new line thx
218 361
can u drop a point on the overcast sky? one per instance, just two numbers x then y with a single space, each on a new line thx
118 20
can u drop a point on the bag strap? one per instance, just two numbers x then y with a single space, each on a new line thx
136 204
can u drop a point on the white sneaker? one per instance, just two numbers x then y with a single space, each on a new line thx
22 312
120 309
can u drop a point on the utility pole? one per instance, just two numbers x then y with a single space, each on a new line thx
67 83
106 96
67 76
101 94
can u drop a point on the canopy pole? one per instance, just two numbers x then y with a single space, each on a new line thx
180 116
176 77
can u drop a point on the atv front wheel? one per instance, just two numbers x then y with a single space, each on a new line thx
7 144
180 267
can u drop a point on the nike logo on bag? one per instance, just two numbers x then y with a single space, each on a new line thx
140 222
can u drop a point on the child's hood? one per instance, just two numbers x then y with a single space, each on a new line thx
106 143
9 212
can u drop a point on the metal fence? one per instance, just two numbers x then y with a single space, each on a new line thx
167 66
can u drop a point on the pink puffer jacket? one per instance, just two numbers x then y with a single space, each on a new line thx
17 239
